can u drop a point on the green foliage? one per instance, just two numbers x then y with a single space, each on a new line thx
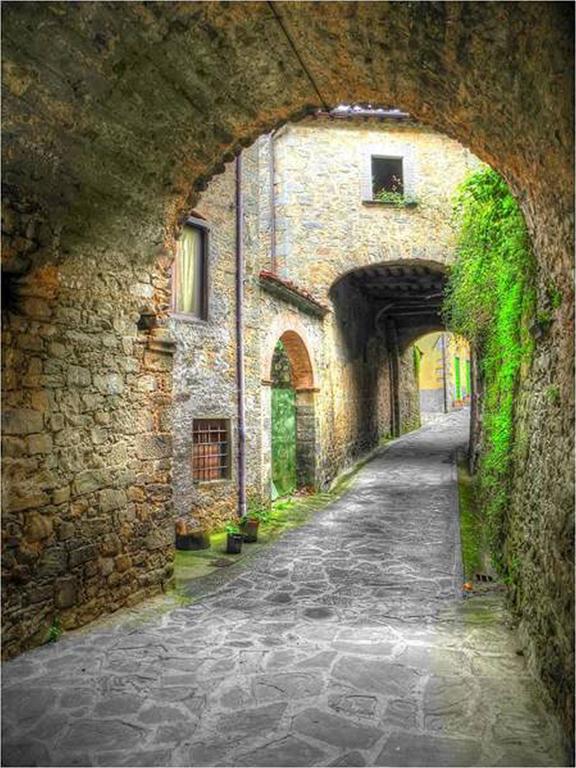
55 632
554 296
232 528
259 512
394 198
472 528
491 301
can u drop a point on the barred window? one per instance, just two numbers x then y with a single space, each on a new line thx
210 449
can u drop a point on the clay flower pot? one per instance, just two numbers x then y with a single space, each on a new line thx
250 529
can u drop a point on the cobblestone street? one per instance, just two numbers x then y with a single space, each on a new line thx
347 642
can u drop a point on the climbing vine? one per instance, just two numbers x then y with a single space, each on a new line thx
491 301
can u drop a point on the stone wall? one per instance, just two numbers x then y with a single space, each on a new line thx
325 224
409 394
86 442
358 391
540 547
108 134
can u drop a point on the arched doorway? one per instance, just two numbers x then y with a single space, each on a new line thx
390 303
292 417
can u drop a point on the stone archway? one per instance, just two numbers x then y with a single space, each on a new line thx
116 117
394 303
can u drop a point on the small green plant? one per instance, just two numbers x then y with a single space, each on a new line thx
385 196
393 194
232 528
55 631
553 394
258 512
544 318
554 296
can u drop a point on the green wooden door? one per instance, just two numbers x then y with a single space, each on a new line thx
468 379
283 440
458 378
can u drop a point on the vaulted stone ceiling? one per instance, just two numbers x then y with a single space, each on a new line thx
116 114
409 293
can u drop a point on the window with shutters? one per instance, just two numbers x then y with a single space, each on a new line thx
190 273
210 449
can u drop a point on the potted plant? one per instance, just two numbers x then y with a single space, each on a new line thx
250 522
233 539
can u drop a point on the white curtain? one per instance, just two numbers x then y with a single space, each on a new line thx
189 273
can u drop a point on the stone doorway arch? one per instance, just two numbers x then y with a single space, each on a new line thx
299 391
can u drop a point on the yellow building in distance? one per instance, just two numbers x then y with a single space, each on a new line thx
444 372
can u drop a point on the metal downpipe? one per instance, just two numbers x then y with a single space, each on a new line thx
239 247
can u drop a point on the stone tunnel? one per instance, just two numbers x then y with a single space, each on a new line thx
115 118
398 302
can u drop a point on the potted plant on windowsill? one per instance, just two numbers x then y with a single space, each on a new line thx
233 539
250 522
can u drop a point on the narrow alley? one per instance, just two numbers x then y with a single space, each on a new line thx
347 642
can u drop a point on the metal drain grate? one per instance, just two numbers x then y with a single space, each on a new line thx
483 577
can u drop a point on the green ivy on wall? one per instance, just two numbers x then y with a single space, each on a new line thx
491 301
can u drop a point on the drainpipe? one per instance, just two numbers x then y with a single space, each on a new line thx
444 384
239 247
272 171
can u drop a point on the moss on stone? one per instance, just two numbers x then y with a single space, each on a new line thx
471 526
491 300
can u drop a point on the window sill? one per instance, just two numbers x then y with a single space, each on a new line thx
386 204
220 481
193 319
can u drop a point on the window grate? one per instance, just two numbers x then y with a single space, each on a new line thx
210 449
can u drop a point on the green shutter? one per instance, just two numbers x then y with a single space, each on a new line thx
458 379
284 440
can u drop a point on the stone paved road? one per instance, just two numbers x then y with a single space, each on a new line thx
345 643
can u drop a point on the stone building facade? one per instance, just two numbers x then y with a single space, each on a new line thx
305 237
97 421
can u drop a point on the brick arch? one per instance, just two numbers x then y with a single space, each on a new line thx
299 347
302 374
